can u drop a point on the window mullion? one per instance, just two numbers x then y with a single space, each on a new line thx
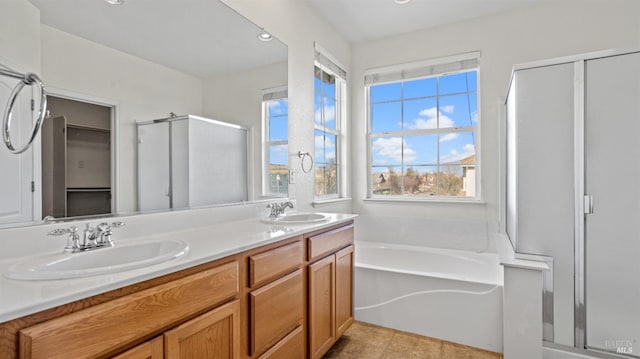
402 138
423 132
438 146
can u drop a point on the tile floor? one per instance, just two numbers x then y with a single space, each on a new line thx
366 341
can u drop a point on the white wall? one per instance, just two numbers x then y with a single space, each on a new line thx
549 30
295 24
19 36
142 90
237 98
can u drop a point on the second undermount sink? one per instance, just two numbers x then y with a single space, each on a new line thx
101 261
297 218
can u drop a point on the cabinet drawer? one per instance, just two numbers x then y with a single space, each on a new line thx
276 309
327 242
271 264
100 330
153 349
291 347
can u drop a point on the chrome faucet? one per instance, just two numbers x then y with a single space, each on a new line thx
277 209
93 237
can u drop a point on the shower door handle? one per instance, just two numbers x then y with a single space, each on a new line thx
588 204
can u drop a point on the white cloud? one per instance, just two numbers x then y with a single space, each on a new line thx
454 156
449 137
429 112
391 148
325 143
329 112
280 149
278 154
448 109
431 120
278 107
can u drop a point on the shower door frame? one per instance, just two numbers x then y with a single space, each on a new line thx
582 204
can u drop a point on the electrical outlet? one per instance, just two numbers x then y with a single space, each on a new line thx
80 164
292 179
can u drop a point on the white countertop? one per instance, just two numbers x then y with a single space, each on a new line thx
206 243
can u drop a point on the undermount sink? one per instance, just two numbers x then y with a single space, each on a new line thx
297 218
100 261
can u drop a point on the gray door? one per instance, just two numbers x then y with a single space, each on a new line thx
612 166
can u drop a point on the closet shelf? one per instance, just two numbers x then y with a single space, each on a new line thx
88 189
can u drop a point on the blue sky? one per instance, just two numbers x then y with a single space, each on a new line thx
427 105
278 131
457 108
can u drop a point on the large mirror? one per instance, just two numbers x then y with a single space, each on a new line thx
110 68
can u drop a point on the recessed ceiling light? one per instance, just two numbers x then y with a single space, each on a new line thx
114 2
401 2
265 36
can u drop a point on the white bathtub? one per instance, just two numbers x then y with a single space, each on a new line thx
446 294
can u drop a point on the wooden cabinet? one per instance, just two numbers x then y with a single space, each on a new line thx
101 329
276 302
330 287
287 300
215 334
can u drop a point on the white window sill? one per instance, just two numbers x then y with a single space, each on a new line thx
326 202
427 200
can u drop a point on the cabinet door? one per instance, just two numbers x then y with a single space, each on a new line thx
344 290
321 306
213 335
152 349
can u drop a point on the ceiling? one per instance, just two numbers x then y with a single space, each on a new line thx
203 38
359 20
206 38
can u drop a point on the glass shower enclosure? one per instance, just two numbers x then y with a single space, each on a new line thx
573 195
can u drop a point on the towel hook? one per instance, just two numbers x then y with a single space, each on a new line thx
302 156
30 79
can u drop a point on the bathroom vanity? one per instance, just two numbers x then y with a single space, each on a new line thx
289 296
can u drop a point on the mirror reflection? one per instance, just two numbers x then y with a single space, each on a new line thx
109 70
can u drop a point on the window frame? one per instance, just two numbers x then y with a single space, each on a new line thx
271 95
340 134
418 67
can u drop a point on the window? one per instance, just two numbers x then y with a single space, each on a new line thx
330 89
276 144
423 130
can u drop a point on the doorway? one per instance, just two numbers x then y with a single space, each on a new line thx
77 152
